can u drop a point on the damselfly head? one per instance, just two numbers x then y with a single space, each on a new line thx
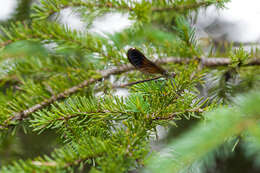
140 62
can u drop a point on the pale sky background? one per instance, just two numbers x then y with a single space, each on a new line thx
242 15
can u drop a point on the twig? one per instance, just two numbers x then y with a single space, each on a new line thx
137 82
208 62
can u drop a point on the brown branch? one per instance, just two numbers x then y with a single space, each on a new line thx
207 62
70 91
104 74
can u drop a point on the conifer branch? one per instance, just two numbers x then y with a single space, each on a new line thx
183 7
225 122
24 114
62 158
172 116
207 62
78 114
55 6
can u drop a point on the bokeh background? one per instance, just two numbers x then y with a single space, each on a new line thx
237 22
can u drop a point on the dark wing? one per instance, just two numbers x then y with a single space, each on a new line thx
137 59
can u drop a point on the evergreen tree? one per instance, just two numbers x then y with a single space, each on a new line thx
59 111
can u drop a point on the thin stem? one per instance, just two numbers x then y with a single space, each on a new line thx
137 82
